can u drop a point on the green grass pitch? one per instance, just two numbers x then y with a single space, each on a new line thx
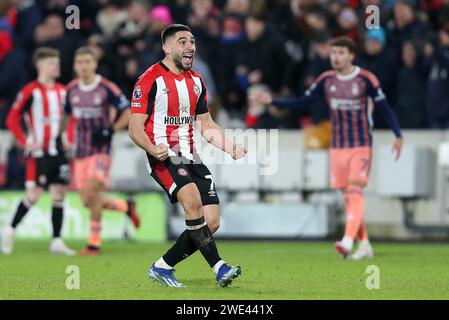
271 270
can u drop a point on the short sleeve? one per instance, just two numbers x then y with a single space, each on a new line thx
143 97
23 100
373 87
116 98
202 106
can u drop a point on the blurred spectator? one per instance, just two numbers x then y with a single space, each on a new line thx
348 25
438 82
433 9
262 116
411 89
205 25
406 25
319 63
110 17
179 10
134 27
106 61
29 16
200 11
52 33
238 7
263 58
12 74
308 21
382 61
159 18
230 43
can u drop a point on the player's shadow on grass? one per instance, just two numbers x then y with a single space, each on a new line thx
199 284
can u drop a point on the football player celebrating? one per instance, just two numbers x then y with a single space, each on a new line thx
167 100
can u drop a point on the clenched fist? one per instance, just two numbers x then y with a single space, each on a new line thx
238 151
160 152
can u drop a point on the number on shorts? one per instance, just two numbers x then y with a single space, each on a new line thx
365 164
209 176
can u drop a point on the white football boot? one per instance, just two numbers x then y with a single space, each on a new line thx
57 246
364 251
7 240
344 247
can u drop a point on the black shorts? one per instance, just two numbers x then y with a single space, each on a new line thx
174 173
47 170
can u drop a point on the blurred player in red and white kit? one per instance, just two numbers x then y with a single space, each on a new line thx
352 94
99 109
40 105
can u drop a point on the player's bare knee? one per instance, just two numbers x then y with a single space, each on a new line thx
190 200
192 208
33 194
213 226
87 199
57 192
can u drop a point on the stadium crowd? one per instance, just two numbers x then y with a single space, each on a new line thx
244 46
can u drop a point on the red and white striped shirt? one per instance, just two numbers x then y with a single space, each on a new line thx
172 102
42 108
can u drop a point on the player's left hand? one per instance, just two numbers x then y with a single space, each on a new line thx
238 151
397 147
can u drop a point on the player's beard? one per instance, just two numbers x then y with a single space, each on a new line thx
177 59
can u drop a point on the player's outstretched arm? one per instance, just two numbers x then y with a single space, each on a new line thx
301 102
216 136
136 131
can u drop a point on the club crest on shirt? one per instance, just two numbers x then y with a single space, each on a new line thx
137 94
185 108
97 99
355 89
196 89
76 99
333 88
182 172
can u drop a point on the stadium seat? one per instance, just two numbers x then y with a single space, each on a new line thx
289 174
316 170
413 175
128 170
238 175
